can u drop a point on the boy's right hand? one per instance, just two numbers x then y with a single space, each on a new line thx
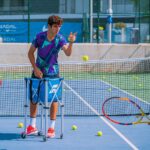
38 73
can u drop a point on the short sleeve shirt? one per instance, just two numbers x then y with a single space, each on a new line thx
47 52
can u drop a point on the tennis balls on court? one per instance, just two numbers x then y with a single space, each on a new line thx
20 125
74 127
85 58
99 133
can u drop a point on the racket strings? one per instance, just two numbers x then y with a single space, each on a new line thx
122 111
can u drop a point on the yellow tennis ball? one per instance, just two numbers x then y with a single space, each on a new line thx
103 77
85 58
74 127
110 89
99 133
135 77
140 85
101 28
20 125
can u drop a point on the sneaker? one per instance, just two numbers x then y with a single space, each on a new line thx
51 133
31 130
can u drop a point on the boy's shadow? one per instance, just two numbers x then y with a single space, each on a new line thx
9 136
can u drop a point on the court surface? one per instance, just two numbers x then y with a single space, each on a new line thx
84 138
83 100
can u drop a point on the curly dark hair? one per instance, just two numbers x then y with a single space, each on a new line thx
55 20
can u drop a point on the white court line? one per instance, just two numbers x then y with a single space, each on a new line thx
111 126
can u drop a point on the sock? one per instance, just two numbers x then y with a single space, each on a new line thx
33 122
52 124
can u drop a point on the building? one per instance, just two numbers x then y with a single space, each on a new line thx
26 17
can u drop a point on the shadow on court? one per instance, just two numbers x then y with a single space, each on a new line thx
9 136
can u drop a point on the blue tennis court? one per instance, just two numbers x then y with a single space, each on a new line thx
83 138
83 94
108 70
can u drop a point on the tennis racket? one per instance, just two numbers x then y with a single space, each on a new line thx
123 111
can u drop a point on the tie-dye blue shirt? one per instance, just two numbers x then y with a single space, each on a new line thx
47 52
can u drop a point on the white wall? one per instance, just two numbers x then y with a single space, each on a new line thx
17 53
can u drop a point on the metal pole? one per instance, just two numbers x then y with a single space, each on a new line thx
139 40
98 11
62 111
28 21
41 117
110 11
46 107
149 22
91 21
26 102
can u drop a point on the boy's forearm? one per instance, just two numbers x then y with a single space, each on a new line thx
69 49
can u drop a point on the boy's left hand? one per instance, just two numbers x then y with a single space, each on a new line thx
72 37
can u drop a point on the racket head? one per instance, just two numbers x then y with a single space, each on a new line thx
122 110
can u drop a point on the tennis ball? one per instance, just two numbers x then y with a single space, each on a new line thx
135 77
103 77
110 89
140 85
74 127
20 125
101 28
99 133
85 58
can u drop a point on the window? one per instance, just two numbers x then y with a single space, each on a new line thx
1 3
16 3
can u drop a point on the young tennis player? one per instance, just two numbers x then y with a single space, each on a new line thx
48 44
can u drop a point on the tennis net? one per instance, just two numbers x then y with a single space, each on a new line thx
86 85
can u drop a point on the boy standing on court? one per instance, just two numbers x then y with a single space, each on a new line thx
48 44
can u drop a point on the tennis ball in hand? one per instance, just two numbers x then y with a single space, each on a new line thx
85 58
74 127
20 125
99 133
